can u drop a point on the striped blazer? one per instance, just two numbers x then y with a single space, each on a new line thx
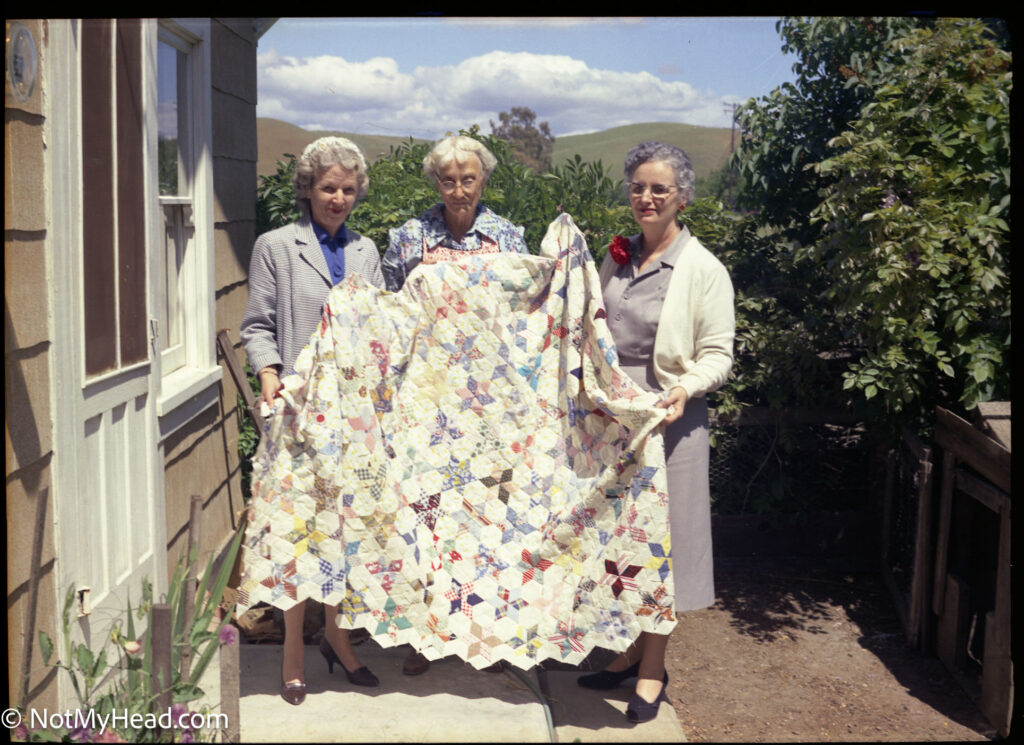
288 283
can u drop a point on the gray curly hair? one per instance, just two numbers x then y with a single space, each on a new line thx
661 152
457 146
320 156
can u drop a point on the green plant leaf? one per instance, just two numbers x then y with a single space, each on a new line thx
45 646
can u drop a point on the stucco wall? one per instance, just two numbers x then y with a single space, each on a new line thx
28 437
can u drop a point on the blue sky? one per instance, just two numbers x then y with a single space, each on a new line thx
425 76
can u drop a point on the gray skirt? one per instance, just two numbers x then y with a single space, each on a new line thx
689 495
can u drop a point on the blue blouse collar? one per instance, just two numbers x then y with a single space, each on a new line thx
325 238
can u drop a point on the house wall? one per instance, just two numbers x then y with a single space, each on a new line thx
28 436
202 456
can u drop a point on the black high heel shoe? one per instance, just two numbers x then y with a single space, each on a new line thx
606 680
360 677
640 710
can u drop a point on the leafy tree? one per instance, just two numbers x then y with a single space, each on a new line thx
877 256
790 344
839 60
725 185
275 197
595 200
398 192
531 143
915 225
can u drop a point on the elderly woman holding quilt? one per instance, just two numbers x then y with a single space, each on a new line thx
670 311
291 271
459 225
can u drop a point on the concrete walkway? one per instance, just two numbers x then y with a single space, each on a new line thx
452 702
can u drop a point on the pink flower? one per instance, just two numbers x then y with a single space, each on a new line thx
132 647
619 249
107 735
228 635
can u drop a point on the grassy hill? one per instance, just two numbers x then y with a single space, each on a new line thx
275 138
708 147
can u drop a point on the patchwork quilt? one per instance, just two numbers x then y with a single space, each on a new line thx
463 467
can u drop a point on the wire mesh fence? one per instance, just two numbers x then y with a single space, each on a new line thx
777 465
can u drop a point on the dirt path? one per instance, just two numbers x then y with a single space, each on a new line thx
790 654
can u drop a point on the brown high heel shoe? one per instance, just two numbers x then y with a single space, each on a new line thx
415 663
360 677
294 693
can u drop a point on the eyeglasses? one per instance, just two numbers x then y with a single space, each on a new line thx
448 185
658 191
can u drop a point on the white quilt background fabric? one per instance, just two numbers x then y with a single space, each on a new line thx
464 468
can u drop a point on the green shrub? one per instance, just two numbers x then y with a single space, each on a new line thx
125 687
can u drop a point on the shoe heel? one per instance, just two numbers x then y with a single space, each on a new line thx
329 655
639 710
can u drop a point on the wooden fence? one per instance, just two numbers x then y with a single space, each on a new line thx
946 551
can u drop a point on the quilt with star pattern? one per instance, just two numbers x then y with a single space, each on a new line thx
462 466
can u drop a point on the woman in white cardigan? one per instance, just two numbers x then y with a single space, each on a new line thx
670 311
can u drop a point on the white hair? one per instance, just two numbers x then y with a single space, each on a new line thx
448 149
323 154
674 157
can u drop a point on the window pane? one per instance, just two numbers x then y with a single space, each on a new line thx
170 62
175 242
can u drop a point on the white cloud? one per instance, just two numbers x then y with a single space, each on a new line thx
544 22
374 96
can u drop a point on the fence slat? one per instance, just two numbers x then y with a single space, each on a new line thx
976 449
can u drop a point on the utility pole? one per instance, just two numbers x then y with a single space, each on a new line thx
732 145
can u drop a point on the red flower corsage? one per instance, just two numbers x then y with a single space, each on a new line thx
619 249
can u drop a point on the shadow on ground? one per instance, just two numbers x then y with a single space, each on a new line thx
770 600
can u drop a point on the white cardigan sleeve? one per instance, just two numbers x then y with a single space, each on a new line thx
693 348
714 327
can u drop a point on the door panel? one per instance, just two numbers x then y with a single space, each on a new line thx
108 484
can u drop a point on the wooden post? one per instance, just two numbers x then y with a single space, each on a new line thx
241 382
942 539
997 667
917 617
160 639
192 556
229 691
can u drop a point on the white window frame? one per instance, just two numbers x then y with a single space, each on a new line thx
191 387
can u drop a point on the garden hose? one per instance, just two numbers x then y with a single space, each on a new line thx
552 737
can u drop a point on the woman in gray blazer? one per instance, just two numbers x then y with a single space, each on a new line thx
291 271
